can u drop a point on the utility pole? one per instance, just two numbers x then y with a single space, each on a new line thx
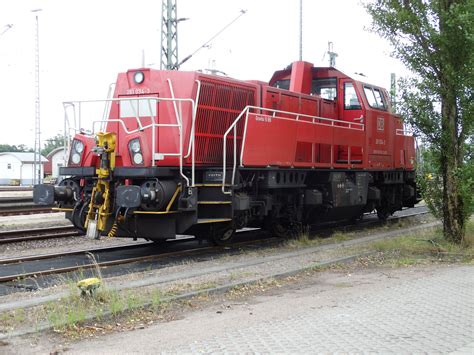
332 55
393 91
37 148
169 35
301 30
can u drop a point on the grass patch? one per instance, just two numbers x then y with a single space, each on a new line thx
416 248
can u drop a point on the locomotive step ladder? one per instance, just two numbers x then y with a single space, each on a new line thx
213 206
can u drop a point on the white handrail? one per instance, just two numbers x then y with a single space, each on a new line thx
177 103
110 92
177 111
404 132
320 121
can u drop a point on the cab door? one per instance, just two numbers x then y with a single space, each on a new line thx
351 111
380 129
350 102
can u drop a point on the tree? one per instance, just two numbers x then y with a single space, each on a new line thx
435 40
53 143
14 148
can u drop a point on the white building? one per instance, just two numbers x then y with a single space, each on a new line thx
18 167
56 159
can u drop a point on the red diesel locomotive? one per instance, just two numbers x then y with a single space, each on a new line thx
191 153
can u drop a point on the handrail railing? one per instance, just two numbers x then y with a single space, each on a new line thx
297 117
404 132
177 103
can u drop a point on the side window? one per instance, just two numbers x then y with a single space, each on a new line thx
351 102
379 99
325 87
375 98
282 84
369 94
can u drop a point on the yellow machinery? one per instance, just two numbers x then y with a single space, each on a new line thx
99 206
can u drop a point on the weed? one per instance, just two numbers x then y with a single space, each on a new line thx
133 302
156 298
116 304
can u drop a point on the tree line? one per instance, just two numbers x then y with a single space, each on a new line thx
49 145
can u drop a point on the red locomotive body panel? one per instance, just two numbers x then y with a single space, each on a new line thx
310 121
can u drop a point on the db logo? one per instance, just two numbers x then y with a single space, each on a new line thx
380 123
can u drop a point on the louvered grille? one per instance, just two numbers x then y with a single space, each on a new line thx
219 105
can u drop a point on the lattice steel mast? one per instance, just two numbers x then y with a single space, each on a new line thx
169 35
37 147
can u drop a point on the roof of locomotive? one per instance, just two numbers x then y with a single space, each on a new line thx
318 72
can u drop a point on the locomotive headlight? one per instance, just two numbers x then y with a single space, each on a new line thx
138 77
135 151
135 146
138 158
76 158
79 147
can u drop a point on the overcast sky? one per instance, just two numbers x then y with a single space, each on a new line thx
84 44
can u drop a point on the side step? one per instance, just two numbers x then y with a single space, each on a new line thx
214 202
213 220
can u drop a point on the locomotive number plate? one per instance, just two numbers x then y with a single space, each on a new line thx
266 119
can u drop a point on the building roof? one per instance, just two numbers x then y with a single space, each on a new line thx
55 150
25 157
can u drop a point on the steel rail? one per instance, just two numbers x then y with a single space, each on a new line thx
22 235
25 211
148 257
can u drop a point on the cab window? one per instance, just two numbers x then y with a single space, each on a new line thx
375 98
379 98
282 84
325 87
137 108
351 102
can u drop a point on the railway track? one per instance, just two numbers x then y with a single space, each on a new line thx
24 235
20 205
15 188
37 266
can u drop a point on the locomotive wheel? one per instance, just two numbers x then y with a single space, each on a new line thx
286 229
357 219
383 214
79 215
158 243
222 234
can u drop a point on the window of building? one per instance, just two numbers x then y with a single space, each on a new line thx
325 87
351 102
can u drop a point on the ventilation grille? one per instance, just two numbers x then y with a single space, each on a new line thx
219 105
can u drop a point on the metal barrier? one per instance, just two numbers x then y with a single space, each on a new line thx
72 125
404 132
264 112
